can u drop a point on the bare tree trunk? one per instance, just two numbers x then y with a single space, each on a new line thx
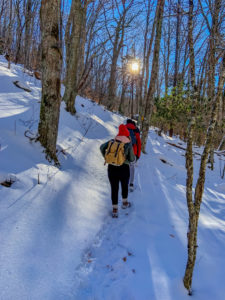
122 23
176 65
142 110
19 30
2 9
9 39
194 208
167 50
112 82
141 81
154 74
223 104
222 144
202 77
124 89
74 32
27 43
51 71
212 64
192 231
117 46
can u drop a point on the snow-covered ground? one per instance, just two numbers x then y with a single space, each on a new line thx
57 238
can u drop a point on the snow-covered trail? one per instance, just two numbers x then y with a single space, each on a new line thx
57 238
43 232
142 254
47 226
44 228
130 258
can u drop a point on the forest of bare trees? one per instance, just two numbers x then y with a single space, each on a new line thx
99 39
161 62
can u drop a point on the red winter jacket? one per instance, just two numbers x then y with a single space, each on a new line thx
136 147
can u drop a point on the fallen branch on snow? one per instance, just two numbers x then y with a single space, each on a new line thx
21 86
7 180
30 135
165 162
175 145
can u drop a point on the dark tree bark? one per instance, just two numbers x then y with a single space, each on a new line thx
9 36
74 51
51 71
28 37
19 31
167 30
192 243
177 51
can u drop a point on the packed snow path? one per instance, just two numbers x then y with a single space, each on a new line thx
130 257
142 255
57 238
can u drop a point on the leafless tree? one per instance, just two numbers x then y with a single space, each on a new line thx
51 71
75 40
154 73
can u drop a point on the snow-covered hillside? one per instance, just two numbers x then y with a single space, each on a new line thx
57 238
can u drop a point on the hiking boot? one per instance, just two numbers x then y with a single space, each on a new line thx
115 213
126 204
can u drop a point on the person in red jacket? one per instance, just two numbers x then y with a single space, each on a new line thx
136 143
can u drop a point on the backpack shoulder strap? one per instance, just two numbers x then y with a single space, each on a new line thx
109 146
117 148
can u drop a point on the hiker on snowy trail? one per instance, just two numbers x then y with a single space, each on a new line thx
118 153
136 143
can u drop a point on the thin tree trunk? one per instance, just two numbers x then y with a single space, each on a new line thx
147 62
212 66
51 71
124 89
194 208
154 74
9 38
112 82
167 53
27 43
73 53
201 79
192 228
141 81
176 65
117 46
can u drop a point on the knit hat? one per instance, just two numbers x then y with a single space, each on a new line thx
123 130
129 121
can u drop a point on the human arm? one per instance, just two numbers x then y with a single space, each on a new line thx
138 145
103 148
130 154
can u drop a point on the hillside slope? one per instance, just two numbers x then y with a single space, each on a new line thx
58 240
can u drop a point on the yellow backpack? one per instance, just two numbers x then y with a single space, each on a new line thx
114 154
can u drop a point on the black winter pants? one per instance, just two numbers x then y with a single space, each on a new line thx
118 174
